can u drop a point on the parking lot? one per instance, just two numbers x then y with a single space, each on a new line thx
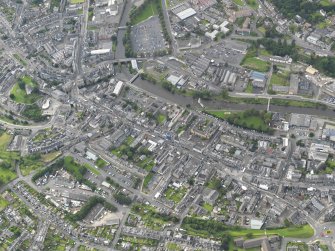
147 36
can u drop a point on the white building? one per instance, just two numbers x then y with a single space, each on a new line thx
118 88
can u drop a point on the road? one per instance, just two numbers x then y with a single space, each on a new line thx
174 43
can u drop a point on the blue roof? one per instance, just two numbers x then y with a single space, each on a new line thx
257 75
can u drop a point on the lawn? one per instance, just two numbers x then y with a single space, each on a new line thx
33 162
143 13
147 179
19 91
92 169
6 175
7 167
208 207
305 231
253 4
256 64
48 157
101 163
280 78
253 120
77 1
211 228
296 103
250 88
147 164
263 52
21 61
3 203
239 2
173 247
30 163
160 119
175 194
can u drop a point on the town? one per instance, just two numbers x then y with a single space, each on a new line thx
167 125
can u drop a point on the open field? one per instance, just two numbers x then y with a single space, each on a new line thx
143 13
48 157
21 61
101 163
239 2
253 120
92 169
77 1
3 203
253 4
256 64
7 167
19 91
280 78
217 230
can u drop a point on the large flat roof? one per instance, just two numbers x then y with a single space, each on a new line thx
186 13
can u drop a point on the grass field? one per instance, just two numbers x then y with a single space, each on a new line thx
50 156
239 2
21 61
3 203
280 78
77 1
305 231
101 163
19 94
7 168
250 88
254 121
147 164
30 163
160 119
147 179
256 64
92 169
141 14
208 207
253 4
296 103
33 162
217 230
173 247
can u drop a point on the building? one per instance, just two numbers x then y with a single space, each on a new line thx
100 52
258 79
281 60
184 14
294 84
256 224
118 88
311 70
212 35
300 120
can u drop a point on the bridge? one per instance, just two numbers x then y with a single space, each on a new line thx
125 60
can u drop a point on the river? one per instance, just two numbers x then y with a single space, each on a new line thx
158 91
